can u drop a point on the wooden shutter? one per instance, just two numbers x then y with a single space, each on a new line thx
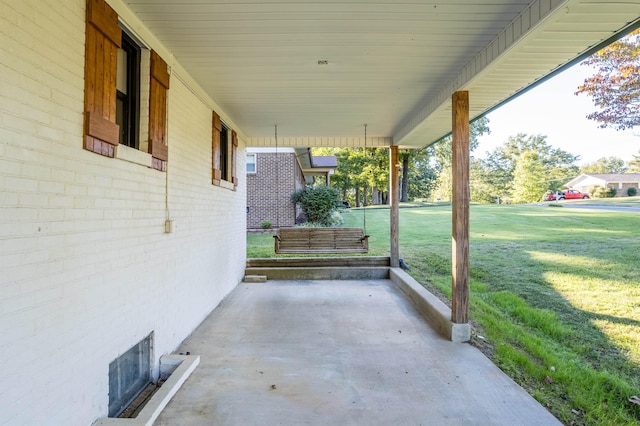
103 38
158 147
234 150
215 141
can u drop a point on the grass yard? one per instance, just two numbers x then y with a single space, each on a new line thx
555 296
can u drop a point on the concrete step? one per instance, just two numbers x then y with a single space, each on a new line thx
320 273
341 261
255 278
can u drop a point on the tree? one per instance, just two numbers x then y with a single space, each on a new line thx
481 190
529 182
634 165
500 165
344 179
615 88
442 154
360 173
418 174
375 174
363 175
605 165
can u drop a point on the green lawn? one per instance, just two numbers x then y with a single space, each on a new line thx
555 296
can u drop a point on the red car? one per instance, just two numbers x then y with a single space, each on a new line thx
549 196
573 194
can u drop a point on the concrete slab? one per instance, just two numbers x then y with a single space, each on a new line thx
338 353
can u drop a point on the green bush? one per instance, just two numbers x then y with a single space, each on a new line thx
600 192
631 192
266 224
318 203
336 218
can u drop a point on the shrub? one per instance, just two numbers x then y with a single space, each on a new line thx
310 225
600 192
318 203
336 218
265 224
631 192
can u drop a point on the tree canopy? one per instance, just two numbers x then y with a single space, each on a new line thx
529 181
633 166
441 152
615 88
522 170
605 165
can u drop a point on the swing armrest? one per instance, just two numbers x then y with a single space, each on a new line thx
276 243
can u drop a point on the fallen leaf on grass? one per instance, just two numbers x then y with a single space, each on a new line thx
634 400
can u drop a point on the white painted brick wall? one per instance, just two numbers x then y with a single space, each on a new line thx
86 270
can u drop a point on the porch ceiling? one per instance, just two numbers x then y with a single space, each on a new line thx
392 64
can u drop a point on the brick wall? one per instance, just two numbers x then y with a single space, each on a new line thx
86 268
268 190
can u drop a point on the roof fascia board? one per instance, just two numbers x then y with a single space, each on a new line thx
532 17
322 141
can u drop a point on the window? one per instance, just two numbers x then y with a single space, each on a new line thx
112 74
128 92
251 163
129 374
224 150
224 153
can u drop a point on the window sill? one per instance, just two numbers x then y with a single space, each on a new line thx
133 155
225 184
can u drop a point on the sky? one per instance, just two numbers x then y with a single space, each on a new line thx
553 110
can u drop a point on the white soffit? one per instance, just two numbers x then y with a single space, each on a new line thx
392 64
520 57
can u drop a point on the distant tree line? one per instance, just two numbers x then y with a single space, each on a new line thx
522 170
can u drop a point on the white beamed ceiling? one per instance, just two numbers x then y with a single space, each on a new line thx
391 64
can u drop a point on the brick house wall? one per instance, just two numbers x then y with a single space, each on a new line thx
87 269
621 182
622 188
277 176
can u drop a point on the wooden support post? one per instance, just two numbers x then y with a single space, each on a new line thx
460 208
394 200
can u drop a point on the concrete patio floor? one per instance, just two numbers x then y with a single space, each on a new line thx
338 353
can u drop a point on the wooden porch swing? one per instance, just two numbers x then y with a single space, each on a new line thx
322 240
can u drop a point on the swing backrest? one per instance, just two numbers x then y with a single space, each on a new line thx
321 240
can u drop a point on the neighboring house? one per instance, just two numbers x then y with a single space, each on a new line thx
273 175
621 182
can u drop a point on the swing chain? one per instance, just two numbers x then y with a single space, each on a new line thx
277 179
364 210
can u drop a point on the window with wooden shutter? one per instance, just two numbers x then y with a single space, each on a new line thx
224 143
215 141
158 147
103 38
